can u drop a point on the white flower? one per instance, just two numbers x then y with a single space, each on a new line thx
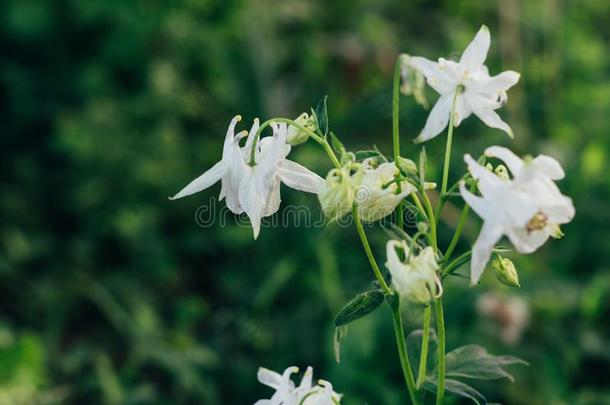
286 393
255 189
478 92
527 208
377 192
415 278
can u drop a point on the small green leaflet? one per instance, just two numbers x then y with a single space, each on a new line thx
363 304
321 114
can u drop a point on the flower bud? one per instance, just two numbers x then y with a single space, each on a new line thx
378 192
296 135
407 166
414 279
336 195
413 81
502 172
505 271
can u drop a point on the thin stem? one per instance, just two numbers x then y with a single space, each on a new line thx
440 329
402 351
423 357
431 221
396 132
457 262
448 147
369 253
458 231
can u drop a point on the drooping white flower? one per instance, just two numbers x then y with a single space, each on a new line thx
286 393
478 92
254 189
376 193
527 208
414 278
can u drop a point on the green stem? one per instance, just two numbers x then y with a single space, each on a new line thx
423 357
402 351
396 132
369 253
440 368
448 147
431 221
458 231
457 262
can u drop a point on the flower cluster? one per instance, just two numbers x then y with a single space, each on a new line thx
286 393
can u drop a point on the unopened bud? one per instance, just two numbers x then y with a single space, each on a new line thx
336 195
296 135
505 271
502 172
406 166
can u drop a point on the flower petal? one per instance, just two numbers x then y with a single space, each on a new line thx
298 176
462 110
437 120
527 241
500 82
269 377
483 109
549 167
478 204
475 53
512 161
482 248
251 200
488 181
204 181
440 79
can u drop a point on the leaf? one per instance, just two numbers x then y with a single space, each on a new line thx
363 304
340 334
337 144
457 388
473 361
365 154
321 114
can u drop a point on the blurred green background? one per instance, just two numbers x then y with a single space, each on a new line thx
111 294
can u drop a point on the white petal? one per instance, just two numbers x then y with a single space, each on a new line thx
483 109
437 120
475 53
500 82
478 204
481 251
527 241
204 181
462 111
307 379
440 79
488 181
252 202
269 377
273 200
549 167
299 177
512 161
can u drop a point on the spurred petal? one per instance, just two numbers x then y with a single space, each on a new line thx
481 251
481 108
437 120
512 161
252 201
299 177
269 377
475 53
204 181
273 200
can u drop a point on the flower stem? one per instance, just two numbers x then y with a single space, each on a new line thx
402 350
458 231
369 253
423 357
396 132
449 144
440 369
431 221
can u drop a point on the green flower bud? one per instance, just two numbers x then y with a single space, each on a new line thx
336 195
296 135
407 166
505 271
502 172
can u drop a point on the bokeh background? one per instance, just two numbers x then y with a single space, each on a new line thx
111 294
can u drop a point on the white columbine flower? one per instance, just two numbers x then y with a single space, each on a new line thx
527 208
286 393
377 192
415 278
478 92
255 189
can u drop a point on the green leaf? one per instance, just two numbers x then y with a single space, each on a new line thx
321 114
365 154
473 361
363 304
337 144
457 388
